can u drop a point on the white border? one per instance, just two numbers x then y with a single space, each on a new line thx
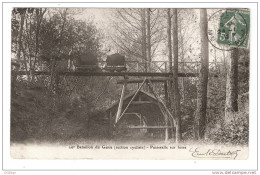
9 163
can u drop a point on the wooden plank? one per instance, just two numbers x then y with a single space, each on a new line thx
131 113
133 74
149 127
92 73
142 102
35 73
140 80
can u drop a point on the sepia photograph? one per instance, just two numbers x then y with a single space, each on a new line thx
132 78
130 83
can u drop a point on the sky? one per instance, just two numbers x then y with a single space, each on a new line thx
102 18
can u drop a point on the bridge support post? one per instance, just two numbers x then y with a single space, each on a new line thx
120 105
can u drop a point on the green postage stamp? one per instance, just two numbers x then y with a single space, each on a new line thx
234 28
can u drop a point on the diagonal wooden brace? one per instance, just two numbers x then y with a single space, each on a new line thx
130 101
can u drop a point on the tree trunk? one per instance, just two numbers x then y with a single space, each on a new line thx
224 68
200 117
39 16
231 85
37 35
54 84
144 39
176 102
169 39
20 37
149 56
182 60
170 91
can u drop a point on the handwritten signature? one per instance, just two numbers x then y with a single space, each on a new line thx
214 153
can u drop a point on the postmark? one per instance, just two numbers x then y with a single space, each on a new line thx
231 31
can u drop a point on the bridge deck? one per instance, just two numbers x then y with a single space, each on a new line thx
137 74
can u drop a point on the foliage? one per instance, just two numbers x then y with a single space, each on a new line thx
188 94
78 37
38 115
47 39
234 132
52 34
235 129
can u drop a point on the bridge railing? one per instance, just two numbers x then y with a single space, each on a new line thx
163 67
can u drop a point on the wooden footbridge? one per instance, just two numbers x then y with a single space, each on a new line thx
158 72
138 69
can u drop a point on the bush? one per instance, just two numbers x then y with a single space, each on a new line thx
234 132
39 115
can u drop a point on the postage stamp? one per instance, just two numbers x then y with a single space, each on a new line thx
234 28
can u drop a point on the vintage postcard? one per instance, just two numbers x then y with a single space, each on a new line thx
131 83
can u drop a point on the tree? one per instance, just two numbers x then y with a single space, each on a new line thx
149 54
232 84
26 41
22 12
138 33
143 29
169 36
169 39
176 102
54 59
200 117
42 39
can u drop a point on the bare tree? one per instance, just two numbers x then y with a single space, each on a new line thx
22 14
138 32
200 117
